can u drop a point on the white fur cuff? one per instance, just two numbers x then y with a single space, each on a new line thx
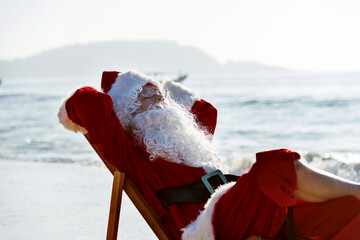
66 121
180 94
202 228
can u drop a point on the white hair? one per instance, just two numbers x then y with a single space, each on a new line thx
171 132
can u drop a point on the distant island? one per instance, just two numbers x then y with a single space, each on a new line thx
145 56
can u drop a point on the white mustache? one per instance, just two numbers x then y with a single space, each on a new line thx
152 116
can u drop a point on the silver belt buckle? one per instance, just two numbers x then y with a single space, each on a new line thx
206 177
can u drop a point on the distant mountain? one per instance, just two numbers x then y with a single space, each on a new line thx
145 56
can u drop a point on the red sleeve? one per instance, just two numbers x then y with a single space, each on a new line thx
276 175
93 110
206 115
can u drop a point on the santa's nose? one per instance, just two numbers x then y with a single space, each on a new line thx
159 97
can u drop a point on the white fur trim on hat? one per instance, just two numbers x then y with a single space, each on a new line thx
202 228
124 93
180 94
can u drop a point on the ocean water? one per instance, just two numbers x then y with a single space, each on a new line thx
317 115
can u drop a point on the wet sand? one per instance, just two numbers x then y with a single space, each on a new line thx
61 201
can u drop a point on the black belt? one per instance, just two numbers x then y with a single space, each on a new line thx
196 192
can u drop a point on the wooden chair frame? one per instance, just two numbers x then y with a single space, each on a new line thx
123 183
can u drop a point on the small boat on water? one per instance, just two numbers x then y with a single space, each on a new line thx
180 77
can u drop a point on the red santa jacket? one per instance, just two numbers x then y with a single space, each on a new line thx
93 110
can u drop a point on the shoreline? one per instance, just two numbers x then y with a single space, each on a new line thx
61 201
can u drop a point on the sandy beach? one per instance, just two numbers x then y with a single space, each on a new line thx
61 201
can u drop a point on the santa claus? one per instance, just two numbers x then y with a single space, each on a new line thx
160 135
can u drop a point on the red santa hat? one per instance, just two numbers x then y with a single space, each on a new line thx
107 79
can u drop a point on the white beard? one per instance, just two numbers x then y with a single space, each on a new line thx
171 132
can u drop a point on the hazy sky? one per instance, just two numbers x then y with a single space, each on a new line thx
320 35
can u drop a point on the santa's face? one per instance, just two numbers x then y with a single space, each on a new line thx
149 96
